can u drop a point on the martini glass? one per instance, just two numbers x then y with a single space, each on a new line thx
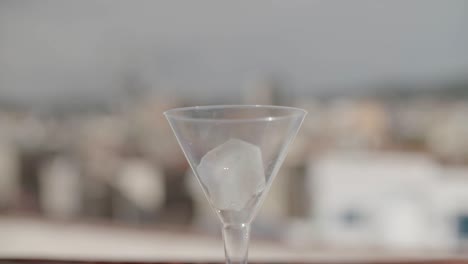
235 151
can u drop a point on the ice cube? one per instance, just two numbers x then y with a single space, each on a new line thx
232 174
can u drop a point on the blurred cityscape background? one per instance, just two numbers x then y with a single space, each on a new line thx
381 161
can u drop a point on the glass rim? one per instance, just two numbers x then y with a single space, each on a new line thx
293 112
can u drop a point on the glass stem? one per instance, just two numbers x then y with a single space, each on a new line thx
236 243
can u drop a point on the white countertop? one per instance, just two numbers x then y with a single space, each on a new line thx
33 238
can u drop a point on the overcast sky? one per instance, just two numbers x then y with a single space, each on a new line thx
51 49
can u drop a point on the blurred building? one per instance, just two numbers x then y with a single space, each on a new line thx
392 200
